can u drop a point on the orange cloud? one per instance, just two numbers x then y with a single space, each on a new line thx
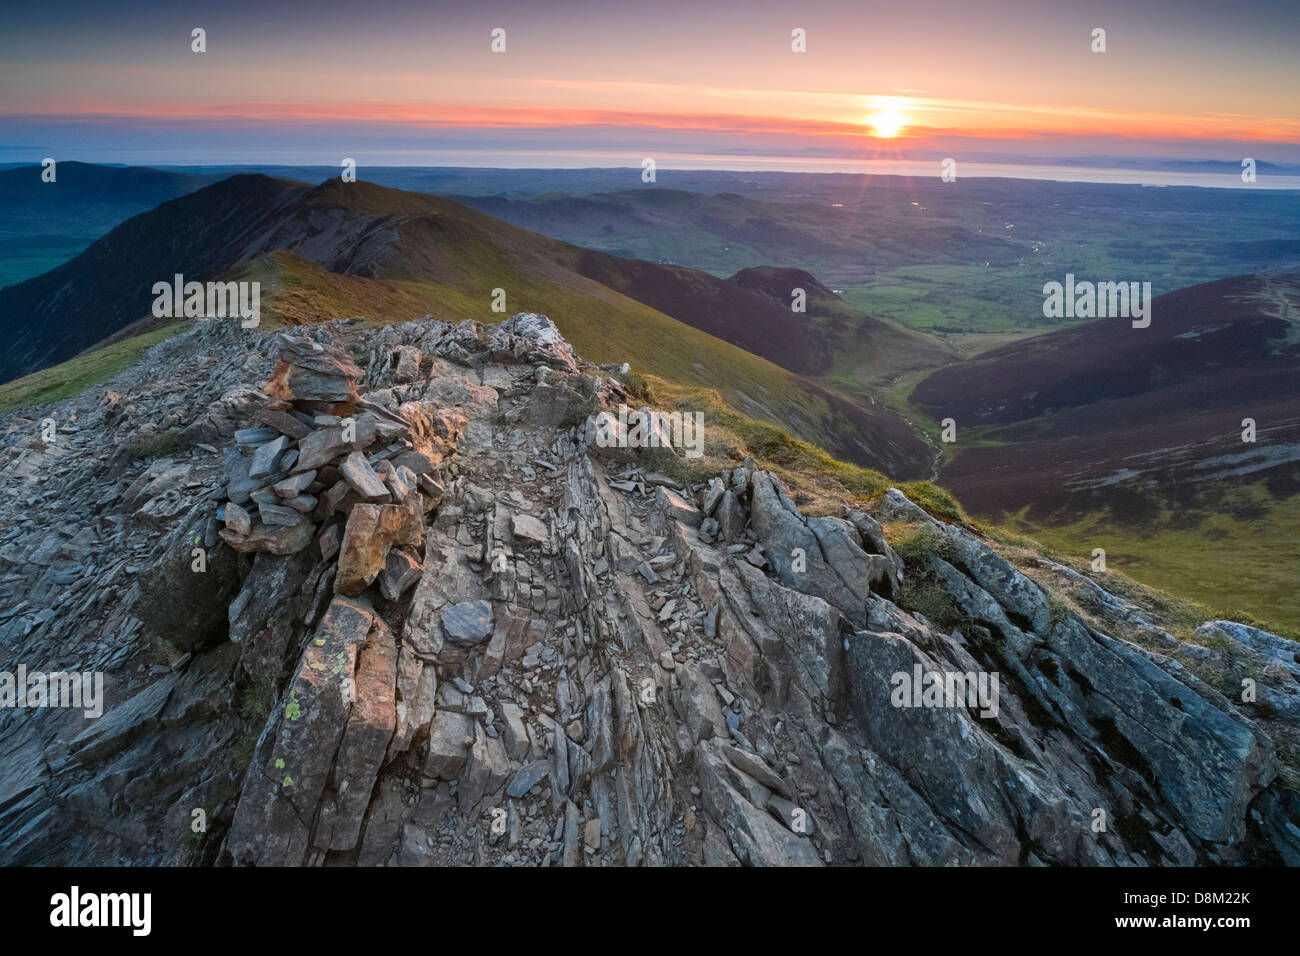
925 118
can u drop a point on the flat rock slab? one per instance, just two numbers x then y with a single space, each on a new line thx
278 515
252 437
266 456
294 382
362 479
467 623
276 812
450 735
321 447
294 485
677 507
119 726
282 422
528 777
370 727
529 530
276 540
309 354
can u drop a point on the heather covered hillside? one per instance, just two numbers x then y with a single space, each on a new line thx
1176 448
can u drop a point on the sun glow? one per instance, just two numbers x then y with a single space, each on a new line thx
887 123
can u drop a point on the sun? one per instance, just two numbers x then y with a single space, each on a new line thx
887 123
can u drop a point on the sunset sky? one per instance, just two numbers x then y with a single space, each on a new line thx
417 83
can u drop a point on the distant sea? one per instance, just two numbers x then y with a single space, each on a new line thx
560 159
1230 178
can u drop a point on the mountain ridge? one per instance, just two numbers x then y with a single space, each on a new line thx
420 247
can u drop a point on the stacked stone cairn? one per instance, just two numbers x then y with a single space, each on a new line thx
319 463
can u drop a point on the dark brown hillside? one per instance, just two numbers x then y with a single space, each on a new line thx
1134 422
755 322
201 235
777 283
1198 333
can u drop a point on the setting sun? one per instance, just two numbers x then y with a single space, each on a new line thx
887 123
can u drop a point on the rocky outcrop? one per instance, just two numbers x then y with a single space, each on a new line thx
440 624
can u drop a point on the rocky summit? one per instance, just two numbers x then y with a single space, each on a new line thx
379 596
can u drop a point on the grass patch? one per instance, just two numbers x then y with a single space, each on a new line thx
810 474
77 374
255 705
162 445
1187 574
686 471
577 409
636 386
921 591
936 501
922 594
915 542
1058 608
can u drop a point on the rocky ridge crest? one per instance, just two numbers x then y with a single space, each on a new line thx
437 624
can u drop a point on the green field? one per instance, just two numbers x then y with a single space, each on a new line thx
21 259
952 298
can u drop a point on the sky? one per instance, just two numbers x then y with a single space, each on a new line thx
397 82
